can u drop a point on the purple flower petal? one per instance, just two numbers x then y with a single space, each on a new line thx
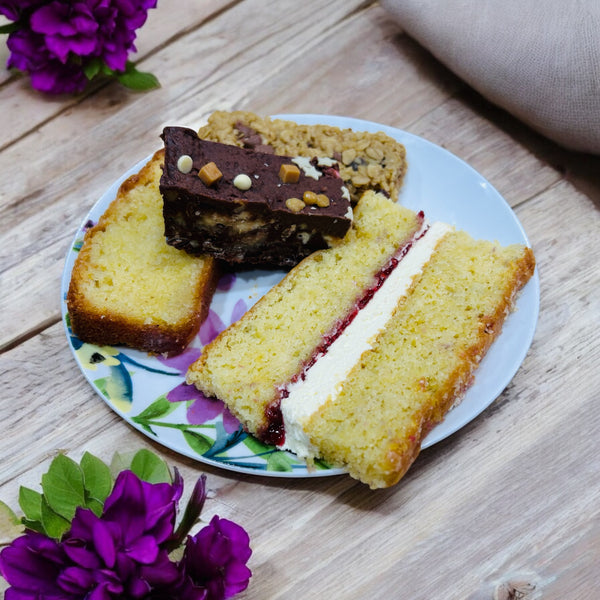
78 553
230 423
162 572
216 556
238 310
32 563
204 409
210 329
104 543
184 392
182 361
76 580
52 19
144 550
56 78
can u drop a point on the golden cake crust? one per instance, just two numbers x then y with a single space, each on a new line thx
125 272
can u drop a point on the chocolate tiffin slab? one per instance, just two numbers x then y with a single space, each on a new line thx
243 206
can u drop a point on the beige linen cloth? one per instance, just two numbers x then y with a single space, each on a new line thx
537 59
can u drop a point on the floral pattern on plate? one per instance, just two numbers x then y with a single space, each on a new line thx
151 394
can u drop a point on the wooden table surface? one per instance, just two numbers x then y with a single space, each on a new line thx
512 497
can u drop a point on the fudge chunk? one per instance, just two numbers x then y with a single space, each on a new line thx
249 207
368 161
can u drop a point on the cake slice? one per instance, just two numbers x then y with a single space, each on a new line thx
128 286
248 207
368 161
365 397
249 364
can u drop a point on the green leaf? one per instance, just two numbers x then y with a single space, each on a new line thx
279 461
121 461
92 68
10 524
54 524
9 28
136 80
95 506
63 487
159 408
256 446
97 478
33 525
30 502
149 467
198 442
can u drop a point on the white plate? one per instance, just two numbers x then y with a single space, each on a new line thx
148 392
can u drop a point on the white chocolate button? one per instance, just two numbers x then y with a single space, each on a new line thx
185 163
242 182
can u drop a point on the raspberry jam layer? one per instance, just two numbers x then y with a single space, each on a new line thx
274 432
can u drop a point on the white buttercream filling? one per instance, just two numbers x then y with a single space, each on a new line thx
324 380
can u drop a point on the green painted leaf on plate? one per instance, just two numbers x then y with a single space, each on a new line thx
280 461
256 446
159 408
198 442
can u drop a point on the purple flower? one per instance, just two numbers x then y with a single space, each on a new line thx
121 553
58 40
48 74
13 9
215 560
66 28
32 564
124 553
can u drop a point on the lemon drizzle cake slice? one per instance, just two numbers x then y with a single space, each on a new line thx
250 363
128 286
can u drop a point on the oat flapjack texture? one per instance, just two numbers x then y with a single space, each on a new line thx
368 161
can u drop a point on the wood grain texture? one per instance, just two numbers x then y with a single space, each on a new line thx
512 498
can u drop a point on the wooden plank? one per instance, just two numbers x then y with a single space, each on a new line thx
364 68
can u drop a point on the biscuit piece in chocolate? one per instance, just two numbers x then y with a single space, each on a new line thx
243 206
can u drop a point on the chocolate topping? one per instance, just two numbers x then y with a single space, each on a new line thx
253 225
